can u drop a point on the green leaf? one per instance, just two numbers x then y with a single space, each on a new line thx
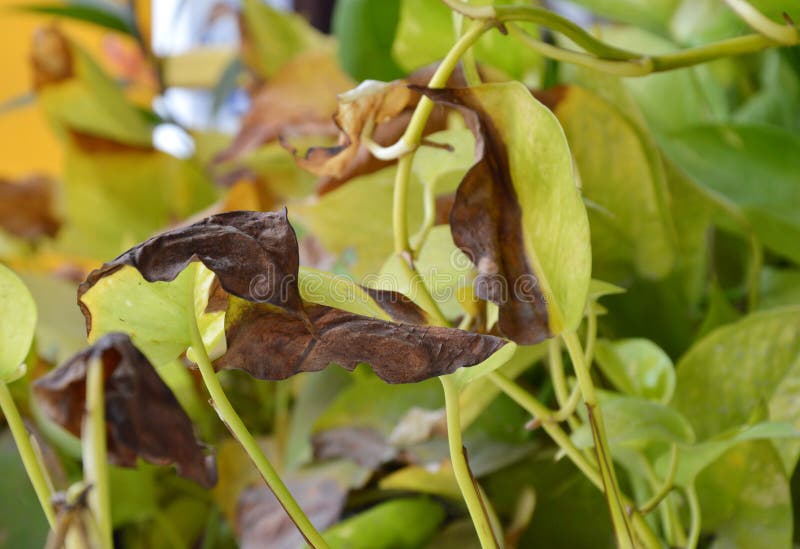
651 14
276 36
17 323
753 167
404 523
739 367
463 376
623 178
637 422
338 291
637 367
779 287
103 14
720 311
365 30
745 499
701 21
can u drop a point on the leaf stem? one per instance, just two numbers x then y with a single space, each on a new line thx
667 485
783 34
238 429
619 516
567 402
694 514
562 439
464 478
30 460
95 452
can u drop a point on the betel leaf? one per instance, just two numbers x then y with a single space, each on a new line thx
269 343
17 323
739 367
755 167
518 214
637 367
143 417
622 176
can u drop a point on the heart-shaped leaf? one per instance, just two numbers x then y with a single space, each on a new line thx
518 214
143 417
637 367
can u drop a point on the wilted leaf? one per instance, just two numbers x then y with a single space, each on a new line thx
637 367
17 323
269 343
253 254
302 95
518 215
262 522
27 207
362 445
369 104
143 417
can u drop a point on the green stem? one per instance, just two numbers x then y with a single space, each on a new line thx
237 427
667 485
619 516
95 451
694 514
783 34
562 439
30 460
464 478
280 424
567 402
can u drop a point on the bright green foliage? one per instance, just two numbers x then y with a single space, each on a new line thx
17 322
637 367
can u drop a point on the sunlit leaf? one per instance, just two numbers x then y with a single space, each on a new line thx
143 417
517 211
17 323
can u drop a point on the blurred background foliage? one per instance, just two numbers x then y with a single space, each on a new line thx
121 119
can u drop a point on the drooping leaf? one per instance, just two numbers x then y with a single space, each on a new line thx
17 323
27 207
622 176
143 417
754 167
253 254
302 94
269 343
738 367
518 210
637 367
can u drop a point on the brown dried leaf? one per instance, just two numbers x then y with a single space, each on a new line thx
27 207
253 254
51 57
486 222
143 417
268 343
302 95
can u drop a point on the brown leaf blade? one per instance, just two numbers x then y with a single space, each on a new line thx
253 254
27 208
143 417
486 222
268 343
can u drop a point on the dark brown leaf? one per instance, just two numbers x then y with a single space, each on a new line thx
268 343
486 222
253 254
143 417
51 57
27 207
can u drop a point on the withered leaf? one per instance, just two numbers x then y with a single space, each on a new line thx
253 254
363 445
27 207
486 222
143 417
302 95
268 343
